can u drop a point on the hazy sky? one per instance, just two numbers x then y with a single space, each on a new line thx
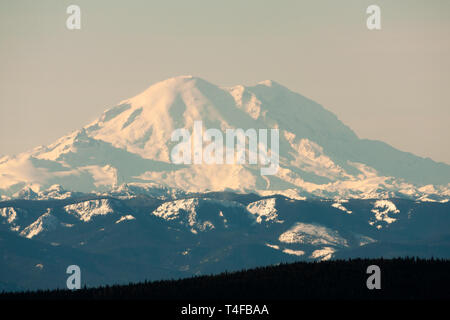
391 85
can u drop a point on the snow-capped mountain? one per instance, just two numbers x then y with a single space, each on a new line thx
129 146
108 198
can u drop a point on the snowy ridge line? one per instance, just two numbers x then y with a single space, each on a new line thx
307 229
129 145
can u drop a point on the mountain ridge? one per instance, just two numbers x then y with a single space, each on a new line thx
130 144
122 239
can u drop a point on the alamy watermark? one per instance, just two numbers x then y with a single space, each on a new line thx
373 21
191 150
73 21
74 280
374 281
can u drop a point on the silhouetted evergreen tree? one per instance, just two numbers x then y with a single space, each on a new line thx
405 278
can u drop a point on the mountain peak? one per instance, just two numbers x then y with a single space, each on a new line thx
168 88
131 143
270 83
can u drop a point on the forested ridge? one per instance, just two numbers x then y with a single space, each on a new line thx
402 278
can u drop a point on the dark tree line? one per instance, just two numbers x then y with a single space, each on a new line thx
405 279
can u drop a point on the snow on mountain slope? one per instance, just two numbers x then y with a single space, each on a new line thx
26 193
312 234
87 210
131 144
46 222
154 190
128 217
364 240
9 213
199 214
264 210
9 216
294 252
16 219
173 210
326 253
384 211
338 205
55 192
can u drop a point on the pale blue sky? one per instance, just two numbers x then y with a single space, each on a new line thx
389 85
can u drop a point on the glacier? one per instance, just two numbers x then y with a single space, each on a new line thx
129 145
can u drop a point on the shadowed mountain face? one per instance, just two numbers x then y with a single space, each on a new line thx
131 143
124 238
